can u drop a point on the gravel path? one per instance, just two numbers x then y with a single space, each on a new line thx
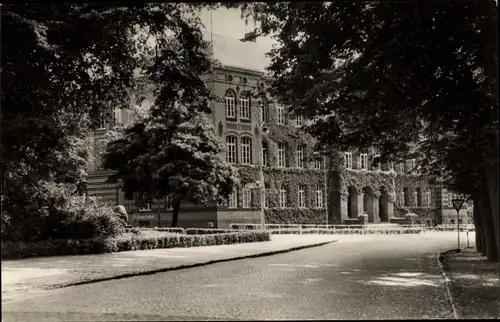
380 277
474 284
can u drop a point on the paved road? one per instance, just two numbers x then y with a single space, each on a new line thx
381 277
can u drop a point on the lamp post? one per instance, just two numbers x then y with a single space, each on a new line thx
457 204
263 130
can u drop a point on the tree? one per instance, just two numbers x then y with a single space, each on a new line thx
63 67
403 77
175 157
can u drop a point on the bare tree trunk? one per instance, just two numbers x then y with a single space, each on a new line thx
175 214
478 227
479 222
488 229
492 191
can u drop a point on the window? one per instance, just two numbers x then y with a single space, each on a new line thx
230 104
100 147
244 106
318 197
266 198
102 124
246 150
264 111
302 196
299 120
145 207
402 198
168 203
265 156
348 160
280 114
281 155
233 199
282 199
452 222
317 164
415 199
391 166
419 198
117 116
363 161
406 198
411 165
247 197
231 149
300 156
450 198
428 198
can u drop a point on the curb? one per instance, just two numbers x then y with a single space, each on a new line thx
447 281
175 268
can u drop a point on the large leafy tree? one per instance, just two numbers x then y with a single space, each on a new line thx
177 155
403 77
64 66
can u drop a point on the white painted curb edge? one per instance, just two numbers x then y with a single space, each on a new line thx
447 285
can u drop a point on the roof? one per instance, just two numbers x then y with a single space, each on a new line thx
231 52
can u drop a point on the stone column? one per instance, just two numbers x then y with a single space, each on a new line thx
360 206
343 206
390 204
376 200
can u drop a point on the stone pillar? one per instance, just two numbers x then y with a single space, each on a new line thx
376 200
390 204
343 207
359 210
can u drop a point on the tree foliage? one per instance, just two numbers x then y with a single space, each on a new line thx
404 77
390 75
176 157
64 66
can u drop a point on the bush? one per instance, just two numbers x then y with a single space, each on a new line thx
46 210
124 242
207 231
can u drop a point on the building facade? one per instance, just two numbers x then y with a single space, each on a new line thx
300 186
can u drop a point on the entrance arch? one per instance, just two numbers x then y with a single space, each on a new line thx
383 205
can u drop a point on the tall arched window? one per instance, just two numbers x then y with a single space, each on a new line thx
230 99
244 102
246 150
231 148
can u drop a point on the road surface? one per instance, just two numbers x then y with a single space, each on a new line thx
373 277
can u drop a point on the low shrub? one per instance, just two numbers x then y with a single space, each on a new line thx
207 231
45 210
125 242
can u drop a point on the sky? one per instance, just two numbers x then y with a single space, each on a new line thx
228 22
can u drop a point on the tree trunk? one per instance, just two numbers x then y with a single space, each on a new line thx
175 214
492 191
480 233
478 227
488 229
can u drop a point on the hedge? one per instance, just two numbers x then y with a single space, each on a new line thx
207 231
365 231
60 247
